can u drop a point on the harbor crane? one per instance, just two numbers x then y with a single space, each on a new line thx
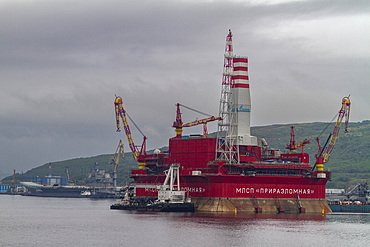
138 152
12 185
68 177
115 161
323 153
178 124
360 192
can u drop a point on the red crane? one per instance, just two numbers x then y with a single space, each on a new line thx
178 124
292 146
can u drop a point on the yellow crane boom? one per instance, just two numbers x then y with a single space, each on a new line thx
343 113
121 113
115 160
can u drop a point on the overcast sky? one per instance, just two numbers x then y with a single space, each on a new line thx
62 61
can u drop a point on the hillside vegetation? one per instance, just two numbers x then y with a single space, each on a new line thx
349 162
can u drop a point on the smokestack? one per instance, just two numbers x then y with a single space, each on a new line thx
241 102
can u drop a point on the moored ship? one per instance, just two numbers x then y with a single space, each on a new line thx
356 200
234 172
35 189
98 184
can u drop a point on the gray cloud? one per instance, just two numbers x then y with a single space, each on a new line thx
61 62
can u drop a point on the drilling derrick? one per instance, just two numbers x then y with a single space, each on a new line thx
225 149
233 137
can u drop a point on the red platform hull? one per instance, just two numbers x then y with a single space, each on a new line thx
237 186
202 176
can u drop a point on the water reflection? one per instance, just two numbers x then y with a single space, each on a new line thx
209 216
80 222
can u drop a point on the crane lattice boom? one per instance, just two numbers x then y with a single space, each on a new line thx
201 121
178 124
121 113
292 146
343 113
115 161
324 152
117 154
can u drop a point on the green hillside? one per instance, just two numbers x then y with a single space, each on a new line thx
349 162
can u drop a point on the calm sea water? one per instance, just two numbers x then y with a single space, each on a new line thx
34 221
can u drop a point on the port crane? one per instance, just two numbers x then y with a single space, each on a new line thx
115 161
323 153
178 124
12 186
68 177
360 192
138 152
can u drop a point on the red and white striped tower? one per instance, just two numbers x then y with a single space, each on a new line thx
241 103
